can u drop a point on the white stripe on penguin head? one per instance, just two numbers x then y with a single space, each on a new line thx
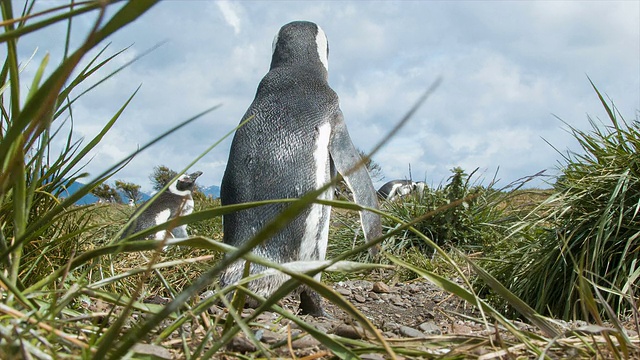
323 47
275 42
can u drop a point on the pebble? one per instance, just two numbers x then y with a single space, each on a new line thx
305 342
411 332
270 337
152 351
430 328
390 326
348 331
343 291
371 357
380 287
359 298
462 329
241 344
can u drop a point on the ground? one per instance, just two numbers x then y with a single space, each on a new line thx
417 319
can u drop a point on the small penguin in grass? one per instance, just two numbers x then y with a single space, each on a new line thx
176 200
396 189
295 140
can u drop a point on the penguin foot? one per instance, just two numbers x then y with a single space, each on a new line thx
311 304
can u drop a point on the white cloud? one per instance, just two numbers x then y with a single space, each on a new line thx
230 11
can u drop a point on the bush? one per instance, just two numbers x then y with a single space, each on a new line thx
459 214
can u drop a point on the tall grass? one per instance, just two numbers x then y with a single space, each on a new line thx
576 254
474 225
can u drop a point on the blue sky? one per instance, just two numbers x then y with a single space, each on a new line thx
509 70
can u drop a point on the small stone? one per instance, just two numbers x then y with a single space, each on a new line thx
322 324
371 357
343 291
348 331
462 329
380 287
390 326
241 344
359 298
411 332
154 351
266 317
430 328
305 342
374 296
270 337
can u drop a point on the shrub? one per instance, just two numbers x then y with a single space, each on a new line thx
477 222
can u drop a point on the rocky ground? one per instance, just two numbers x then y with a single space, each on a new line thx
418 315
413 311
419 318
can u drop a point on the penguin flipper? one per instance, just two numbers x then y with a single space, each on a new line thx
345 158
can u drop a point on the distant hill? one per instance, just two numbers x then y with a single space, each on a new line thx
92 199
75 187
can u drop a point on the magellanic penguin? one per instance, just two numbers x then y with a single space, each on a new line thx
176 200
295 140
396 189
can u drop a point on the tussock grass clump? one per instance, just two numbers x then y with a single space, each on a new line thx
582 242
460 214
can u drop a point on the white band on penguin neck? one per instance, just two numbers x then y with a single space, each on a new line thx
173 188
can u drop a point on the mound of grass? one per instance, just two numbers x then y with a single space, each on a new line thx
458 215
575 256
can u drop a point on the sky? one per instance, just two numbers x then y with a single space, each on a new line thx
515 75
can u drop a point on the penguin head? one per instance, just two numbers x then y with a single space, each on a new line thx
300 43
185 183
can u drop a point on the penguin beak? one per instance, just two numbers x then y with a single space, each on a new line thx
195 175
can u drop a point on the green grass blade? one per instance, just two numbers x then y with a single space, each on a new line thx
522 307
15 33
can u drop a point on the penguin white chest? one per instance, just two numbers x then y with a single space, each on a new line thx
317 223
187 207
162 217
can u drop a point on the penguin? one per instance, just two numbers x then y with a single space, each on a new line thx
176 200
295 140
395 189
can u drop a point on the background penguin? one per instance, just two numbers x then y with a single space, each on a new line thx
296 139
175 201
399 188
